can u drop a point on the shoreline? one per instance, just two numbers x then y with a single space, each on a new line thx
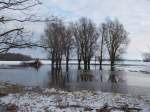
54 100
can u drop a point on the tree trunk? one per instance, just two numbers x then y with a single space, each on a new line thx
101 55
57 61
52 60
67 60
112 62
85 64
100 64
57 64
88 64
79 64
60 62
112 66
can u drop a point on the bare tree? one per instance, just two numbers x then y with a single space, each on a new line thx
77 43
103 34
54 33
68 43
14 13
86 36
116 39
59 40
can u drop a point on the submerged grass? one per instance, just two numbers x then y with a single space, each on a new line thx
7 88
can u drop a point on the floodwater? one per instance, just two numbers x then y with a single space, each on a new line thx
125 79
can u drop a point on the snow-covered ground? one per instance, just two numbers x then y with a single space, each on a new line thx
52 100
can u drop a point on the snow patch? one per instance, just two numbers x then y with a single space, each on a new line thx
57 100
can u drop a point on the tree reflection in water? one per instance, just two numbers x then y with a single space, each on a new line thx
57 78
107 81
84 75
116 82
116 77
113 78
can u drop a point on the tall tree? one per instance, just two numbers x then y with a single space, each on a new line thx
103 34
54 33
59 40
86 36
76 34
116 39
68 43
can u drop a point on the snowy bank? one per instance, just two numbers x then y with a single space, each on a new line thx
52 100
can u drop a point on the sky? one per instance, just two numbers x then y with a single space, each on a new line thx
133 14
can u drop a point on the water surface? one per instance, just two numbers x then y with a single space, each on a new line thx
125 79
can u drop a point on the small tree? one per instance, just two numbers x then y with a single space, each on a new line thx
146 57
116 39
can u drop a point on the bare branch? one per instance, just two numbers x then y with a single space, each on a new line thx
10 31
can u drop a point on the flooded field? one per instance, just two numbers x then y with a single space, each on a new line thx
127 78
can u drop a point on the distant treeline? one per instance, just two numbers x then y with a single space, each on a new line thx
14 57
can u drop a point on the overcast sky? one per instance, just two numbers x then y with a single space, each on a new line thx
133 14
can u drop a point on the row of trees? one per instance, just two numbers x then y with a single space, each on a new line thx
84 38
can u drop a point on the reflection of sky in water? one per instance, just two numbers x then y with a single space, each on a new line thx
122 81
138 80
